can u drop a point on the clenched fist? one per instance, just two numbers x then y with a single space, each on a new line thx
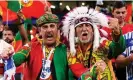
6 53
114 25
101 65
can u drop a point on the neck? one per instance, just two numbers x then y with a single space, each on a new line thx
121 24
51 45
85 47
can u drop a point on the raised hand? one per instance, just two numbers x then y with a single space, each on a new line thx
101 65
114 25
48 10
20 15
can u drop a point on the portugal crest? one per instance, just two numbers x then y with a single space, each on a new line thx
26 3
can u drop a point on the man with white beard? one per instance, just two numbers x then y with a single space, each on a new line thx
89 56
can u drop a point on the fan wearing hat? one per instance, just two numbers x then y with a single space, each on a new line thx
89 55
46 60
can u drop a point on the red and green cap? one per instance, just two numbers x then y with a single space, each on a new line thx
47 18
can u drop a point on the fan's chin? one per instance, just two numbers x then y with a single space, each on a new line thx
85 41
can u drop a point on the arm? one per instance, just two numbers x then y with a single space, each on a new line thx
18 58
117 46
22 55
21 28
80 71
76 67
123 61
23 34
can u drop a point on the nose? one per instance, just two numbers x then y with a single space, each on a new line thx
6 37
84 27
49 29
120 14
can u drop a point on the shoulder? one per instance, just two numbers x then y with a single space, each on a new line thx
129 25
35 44
127 28
61 48
61 45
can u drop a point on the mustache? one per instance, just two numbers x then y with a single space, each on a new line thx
49 35
85 33
1 35
8 40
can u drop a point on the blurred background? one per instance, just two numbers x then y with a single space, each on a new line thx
33 9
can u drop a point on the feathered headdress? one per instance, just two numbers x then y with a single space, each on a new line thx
79 16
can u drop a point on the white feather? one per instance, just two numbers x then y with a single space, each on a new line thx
72 40
96 38
69 24
90 11
105 34
103 20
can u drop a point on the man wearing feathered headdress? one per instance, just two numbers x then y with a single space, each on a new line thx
89 55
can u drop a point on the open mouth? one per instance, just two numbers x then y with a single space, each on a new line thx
49 35
84 34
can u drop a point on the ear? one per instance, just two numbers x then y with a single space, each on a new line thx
126 12
1 28
113 13
75 33
58 33
40 32
39 29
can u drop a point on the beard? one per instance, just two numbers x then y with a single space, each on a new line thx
88 40
1 35
8 41
85 41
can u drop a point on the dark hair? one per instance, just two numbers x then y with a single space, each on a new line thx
9 28
119 4
1 19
